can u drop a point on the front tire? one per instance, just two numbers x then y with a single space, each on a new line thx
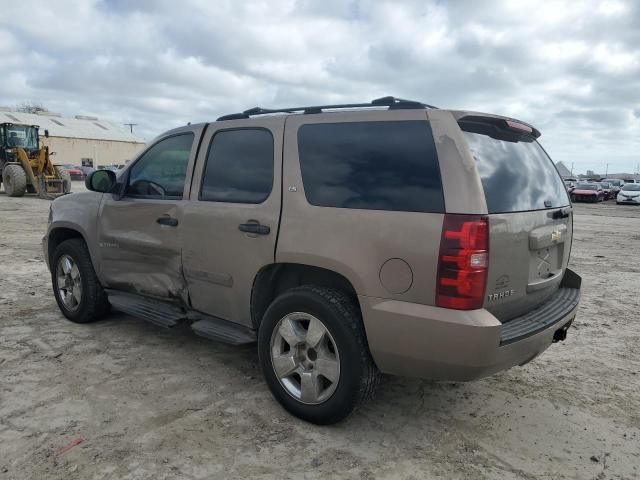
15 180
76 288
314 354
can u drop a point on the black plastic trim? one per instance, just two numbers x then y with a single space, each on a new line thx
561 304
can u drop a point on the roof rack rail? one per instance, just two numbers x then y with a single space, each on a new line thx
392 102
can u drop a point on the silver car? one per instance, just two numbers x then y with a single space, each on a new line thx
630 194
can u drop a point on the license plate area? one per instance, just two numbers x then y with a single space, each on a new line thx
545 267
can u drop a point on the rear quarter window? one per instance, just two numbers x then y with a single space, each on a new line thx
517 175
371 165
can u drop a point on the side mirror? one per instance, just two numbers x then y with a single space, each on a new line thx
46 133
100 181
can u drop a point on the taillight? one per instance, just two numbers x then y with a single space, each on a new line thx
463 262
518 126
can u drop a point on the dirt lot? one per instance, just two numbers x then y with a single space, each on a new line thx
124 399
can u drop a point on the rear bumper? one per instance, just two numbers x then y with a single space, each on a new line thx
416 340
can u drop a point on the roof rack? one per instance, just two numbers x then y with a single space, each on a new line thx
391 102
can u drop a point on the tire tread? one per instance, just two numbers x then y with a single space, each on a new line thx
18 180
371 377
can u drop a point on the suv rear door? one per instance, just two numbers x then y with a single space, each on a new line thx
231 221
530 223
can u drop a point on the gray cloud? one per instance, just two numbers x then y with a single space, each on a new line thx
570 68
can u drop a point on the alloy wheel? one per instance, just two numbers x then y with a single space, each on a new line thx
69 282
305 358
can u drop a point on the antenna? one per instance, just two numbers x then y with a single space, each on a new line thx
130 125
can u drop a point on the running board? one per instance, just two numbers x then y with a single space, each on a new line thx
221 330
159 313
167 315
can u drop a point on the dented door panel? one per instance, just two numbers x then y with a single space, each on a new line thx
140 239
138 254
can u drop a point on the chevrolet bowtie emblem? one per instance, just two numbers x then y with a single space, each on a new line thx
556 235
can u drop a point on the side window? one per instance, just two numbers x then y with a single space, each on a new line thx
239 167
161 170
371 165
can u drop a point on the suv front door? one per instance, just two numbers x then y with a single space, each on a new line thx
231 222
139 232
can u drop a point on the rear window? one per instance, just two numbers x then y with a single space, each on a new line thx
517 175
371 165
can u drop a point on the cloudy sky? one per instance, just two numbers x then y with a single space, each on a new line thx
570 68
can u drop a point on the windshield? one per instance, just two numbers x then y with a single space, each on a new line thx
22 136
516 173
633 187
586 186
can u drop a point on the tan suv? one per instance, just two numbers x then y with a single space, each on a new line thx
347 240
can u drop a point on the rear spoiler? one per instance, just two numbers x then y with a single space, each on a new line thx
515 126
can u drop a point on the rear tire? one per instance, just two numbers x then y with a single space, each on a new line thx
337 322
65 177
86 303
15 180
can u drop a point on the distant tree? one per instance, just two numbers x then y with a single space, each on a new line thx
31 107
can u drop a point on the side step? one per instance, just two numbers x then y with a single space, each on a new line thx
221 330
159 313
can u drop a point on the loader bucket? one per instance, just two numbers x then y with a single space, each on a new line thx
50 188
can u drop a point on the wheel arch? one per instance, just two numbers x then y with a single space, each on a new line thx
57 235
273 279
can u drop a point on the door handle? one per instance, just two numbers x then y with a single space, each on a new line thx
254 228
168 221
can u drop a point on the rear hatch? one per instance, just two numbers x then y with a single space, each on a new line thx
530 216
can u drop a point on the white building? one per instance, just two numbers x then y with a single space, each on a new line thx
80 140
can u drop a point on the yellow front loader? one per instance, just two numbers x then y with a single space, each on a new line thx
26 165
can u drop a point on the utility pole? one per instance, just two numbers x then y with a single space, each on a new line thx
606 171
572 169
130 125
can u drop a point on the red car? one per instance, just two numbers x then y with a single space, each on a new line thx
587 192
75 172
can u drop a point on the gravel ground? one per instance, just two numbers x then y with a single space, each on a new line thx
124 399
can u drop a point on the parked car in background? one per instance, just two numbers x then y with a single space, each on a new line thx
616 185
74 171
569 185
629 194
607 188
587 192
616 182
86 170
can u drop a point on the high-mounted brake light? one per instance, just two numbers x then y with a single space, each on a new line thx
519 126
463 262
